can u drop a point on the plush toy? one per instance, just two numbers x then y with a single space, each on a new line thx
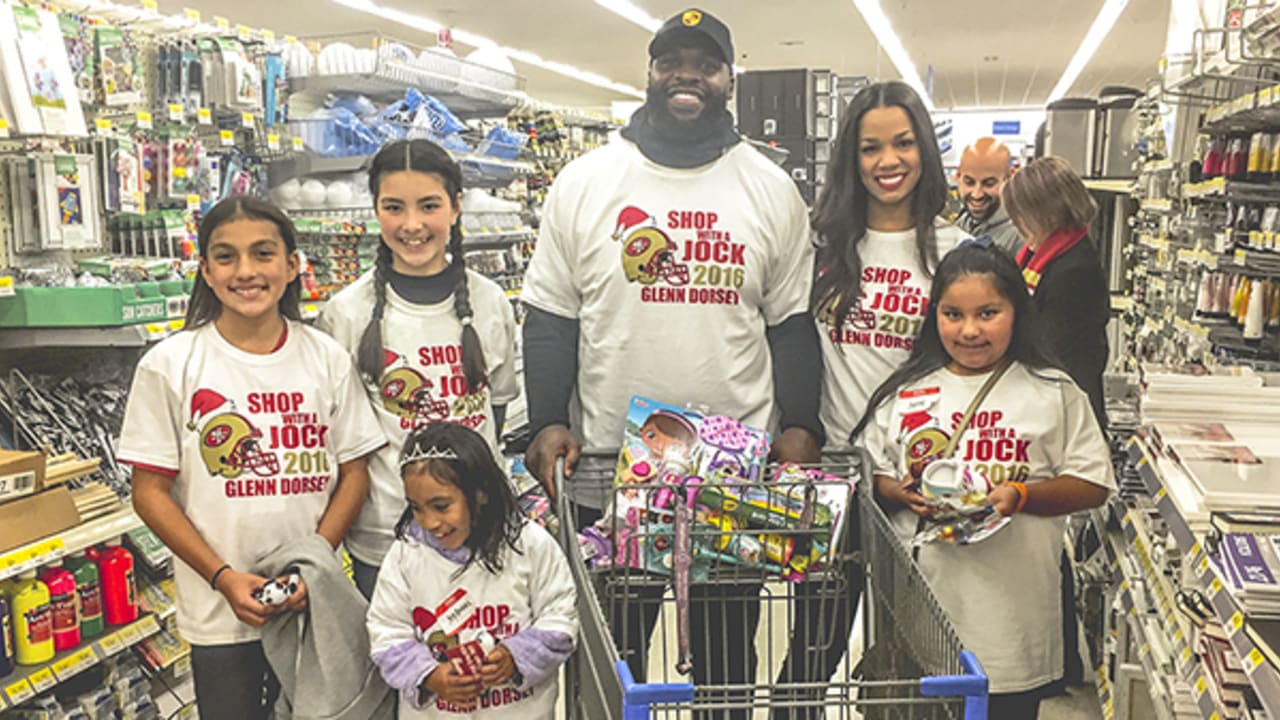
276 591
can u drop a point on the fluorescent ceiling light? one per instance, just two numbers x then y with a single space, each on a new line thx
875 18
1102 25
417 22
630 11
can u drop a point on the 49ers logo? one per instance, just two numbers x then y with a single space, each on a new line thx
648 253
217 435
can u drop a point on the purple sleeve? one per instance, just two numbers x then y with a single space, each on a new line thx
405 667
538 654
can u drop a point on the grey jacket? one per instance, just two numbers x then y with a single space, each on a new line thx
998 226
322 656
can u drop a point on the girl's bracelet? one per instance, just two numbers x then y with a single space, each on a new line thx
213 581
1021 489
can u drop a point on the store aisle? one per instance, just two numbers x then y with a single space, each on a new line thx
1078 704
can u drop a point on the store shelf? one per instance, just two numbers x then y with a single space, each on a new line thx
1157 205
50 549
1220 188
29 681
496 239
118 336
1264 677
467 100
1246 113
1123 187
478 171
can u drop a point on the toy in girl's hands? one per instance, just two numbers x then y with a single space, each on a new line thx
277 590
954 487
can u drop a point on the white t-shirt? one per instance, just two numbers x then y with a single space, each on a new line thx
422 382
881 329
534 590
255 441
1003 593
673 276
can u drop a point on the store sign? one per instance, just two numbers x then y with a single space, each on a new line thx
1006 127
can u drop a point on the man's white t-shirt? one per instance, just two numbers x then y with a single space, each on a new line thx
255 442
534 590
1002 593
673 276
422 382
882 326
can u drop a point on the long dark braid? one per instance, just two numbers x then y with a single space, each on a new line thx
370 352
473 364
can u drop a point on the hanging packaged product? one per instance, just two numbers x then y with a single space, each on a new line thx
120 169
32 620
64 606
77 38
47 72
69 214
89 593
181 164
276 97
6 638
119 67
24 198
119 593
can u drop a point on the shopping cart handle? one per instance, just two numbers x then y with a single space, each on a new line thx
645 694
972 686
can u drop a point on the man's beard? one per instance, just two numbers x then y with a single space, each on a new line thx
988 210
713 109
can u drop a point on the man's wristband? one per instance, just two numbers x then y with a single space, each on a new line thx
1021 489
213 581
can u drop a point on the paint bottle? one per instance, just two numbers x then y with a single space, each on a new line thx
6 638
1254 319
64 606
119 596
32 620
88 593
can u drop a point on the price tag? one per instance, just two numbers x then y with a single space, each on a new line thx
175 112
193 15
1264 97
1215 716
310 310
176 325
19 692
150 5
1235 623
1145 649
1124 586
75 663
182 667
226 138
1200 687
1186 655
290 40
243 32
246 120
297 144
102 125
154 332
1215 587
1204 564
267 35
111 644
193 202
1241 256
130 635
1252 660
4 128
273 142
42 679
6 286
221 23
144 120
1161 493
188 712
204 116
148 625
179 172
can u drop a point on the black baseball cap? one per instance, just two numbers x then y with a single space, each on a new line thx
692 22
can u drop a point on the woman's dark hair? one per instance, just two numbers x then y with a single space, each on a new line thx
495 516
421 156
840 214
929 354
204 306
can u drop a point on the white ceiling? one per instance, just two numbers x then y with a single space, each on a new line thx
994 53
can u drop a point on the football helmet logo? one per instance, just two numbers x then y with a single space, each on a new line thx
407 393
229 443
859 318
648 255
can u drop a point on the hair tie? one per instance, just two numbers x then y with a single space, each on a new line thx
466 320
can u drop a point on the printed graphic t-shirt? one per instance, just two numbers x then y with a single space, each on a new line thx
1003 592
422 382
255 441
673 276
881 328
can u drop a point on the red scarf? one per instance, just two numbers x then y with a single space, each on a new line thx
1033 263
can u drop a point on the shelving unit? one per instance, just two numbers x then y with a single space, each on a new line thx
53 548
129 336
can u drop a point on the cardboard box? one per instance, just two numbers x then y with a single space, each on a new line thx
38 516
21 473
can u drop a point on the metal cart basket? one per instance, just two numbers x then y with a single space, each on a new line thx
912 667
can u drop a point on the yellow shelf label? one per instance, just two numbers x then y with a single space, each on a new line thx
1215 587
19 692
1204 564
1235 623
102 125
130 635
42 679
111 644
6 286
221 23
176 325
267 35
182 667
246 120
310 309
227 138
243 32
4 128
148 625
290 40
175 112
204 116
1253 660
1264 97
297 144
1162 493
187 712
1186 654
1200 687
1215 716
193 15
76 663
179 172
193 202
150 5
1241 256
273 142
143 119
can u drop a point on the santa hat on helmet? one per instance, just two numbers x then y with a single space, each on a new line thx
631 218
203 403
389 358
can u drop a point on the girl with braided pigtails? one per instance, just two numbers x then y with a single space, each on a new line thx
434 341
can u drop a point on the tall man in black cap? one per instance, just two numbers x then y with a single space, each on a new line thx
674 263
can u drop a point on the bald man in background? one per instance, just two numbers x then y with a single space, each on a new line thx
984 166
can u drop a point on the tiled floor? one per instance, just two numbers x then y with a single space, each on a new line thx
1078 704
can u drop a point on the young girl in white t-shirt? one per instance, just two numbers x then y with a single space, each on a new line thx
245 431
467 568
1033 437
433 340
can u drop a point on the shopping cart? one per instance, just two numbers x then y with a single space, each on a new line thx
912 667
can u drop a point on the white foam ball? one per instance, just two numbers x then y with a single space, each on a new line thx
313 194
340 194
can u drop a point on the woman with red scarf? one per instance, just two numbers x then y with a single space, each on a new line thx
1052 209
